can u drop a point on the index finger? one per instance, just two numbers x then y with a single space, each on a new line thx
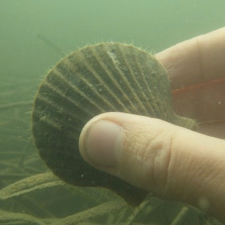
196 68
195 61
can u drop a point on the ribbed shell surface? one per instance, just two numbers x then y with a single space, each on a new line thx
100 78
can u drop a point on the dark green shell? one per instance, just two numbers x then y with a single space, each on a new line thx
100 78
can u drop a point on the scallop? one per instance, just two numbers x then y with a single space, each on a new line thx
105 77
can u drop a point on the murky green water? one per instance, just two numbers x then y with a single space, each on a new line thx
34 35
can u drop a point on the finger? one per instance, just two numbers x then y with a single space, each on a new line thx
198 60
213 129
157 156
204 103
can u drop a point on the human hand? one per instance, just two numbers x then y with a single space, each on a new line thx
157 156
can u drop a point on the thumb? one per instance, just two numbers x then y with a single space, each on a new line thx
158 156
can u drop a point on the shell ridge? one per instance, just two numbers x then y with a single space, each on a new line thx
68 99
119 85
114 82
160 107
56 117
93 87
70 114
77 90
141 97
153 108
52 123
126 85
165 107
103 82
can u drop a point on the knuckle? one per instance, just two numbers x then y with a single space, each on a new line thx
147 156
154 152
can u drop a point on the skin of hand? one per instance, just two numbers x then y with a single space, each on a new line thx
154 155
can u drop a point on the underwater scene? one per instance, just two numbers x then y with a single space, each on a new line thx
65 62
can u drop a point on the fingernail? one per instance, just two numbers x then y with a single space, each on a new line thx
104 143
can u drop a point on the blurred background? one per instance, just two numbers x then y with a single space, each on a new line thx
34 35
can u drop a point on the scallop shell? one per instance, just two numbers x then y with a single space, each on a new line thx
95 79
